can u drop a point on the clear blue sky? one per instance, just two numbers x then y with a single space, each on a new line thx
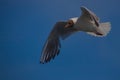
24 28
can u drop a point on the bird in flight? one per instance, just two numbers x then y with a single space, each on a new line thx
88 22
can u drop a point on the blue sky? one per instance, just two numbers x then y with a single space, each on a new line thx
24 28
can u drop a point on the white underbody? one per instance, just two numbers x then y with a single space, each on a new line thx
82 24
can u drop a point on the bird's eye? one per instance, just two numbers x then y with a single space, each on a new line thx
69 22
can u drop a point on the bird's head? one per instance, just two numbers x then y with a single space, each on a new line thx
70 23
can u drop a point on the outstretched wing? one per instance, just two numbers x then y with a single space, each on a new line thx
90 16
52 45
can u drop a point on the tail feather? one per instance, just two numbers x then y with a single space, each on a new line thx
103 29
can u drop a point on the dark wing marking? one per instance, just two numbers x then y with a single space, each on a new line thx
96 22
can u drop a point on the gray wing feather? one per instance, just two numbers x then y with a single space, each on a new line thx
52 45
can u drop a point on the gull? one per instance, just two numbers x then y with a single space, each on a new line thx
88 22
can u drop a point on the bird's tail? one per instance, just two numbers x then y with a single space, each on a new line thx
103 30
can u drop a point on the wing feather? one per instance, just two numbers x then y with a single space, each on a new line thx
52 45
90 16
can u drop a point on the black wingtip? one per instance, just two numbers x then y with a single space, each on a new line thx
41 62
